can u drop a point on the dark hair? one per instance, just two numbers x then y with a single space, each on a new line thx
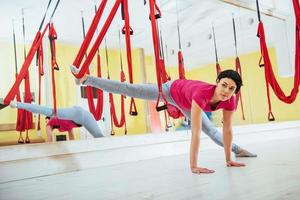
232 75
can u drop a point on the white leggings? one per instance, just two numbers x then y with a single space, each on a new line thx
75 113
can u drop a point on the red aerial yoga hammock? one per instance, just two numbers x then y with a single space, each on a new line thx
173 111
161 74
269 74
24 121
20 121
54 66
98 112
127 31
88 38
35 45
114 120
52 35
165 77
98 109
23 74
181 70
237 66
154 15
40 64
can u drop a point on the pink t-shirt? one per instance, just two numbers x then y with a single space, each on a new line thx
184 91
61 124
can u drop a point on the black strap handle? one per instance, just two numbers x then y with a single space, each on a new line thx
21 139
124 31
162 107
271 117
261 63
112 132
133 113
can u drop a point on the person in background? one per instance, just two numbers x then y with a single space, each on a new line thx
65 119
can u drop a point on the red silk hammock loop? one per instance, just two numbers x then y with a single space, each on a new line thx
96 110
114 119
100 37
266 63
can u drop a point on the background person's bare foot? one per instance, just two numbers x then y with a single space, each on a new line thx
245 153
13 104
76 71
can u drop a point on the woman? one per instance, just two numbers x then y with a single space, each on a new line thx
65 118
192 98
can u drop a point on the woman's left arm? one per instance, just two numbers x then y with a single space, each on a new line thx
227 138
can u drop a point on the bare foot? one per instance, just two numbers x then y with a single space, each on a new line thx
75 70
245 153
13 104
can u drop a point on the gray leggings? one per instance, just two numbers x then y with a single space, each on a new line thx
150 92
75 113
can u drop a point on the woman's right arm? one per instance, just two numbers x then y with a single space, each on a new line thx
196 118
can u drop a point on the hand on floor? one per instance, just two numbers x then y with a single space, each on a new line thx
234 164
200 170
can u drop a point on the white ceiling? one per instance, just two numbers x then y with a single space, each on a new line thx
196 18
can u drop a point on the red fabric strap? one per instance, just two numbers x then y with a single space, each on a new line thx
128 43
20 121
172 111
269 74
153 9
181 65
116 122
52 38
54 66
164 76
297 12
128 29
27 99
24 70
114 118
87 40
98 109
40 63
98 41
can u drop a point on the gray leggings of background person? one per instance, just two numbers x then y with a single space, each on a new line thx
150 92
75 113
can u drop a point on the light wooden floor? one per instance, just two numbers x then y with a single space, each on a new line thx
274 175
